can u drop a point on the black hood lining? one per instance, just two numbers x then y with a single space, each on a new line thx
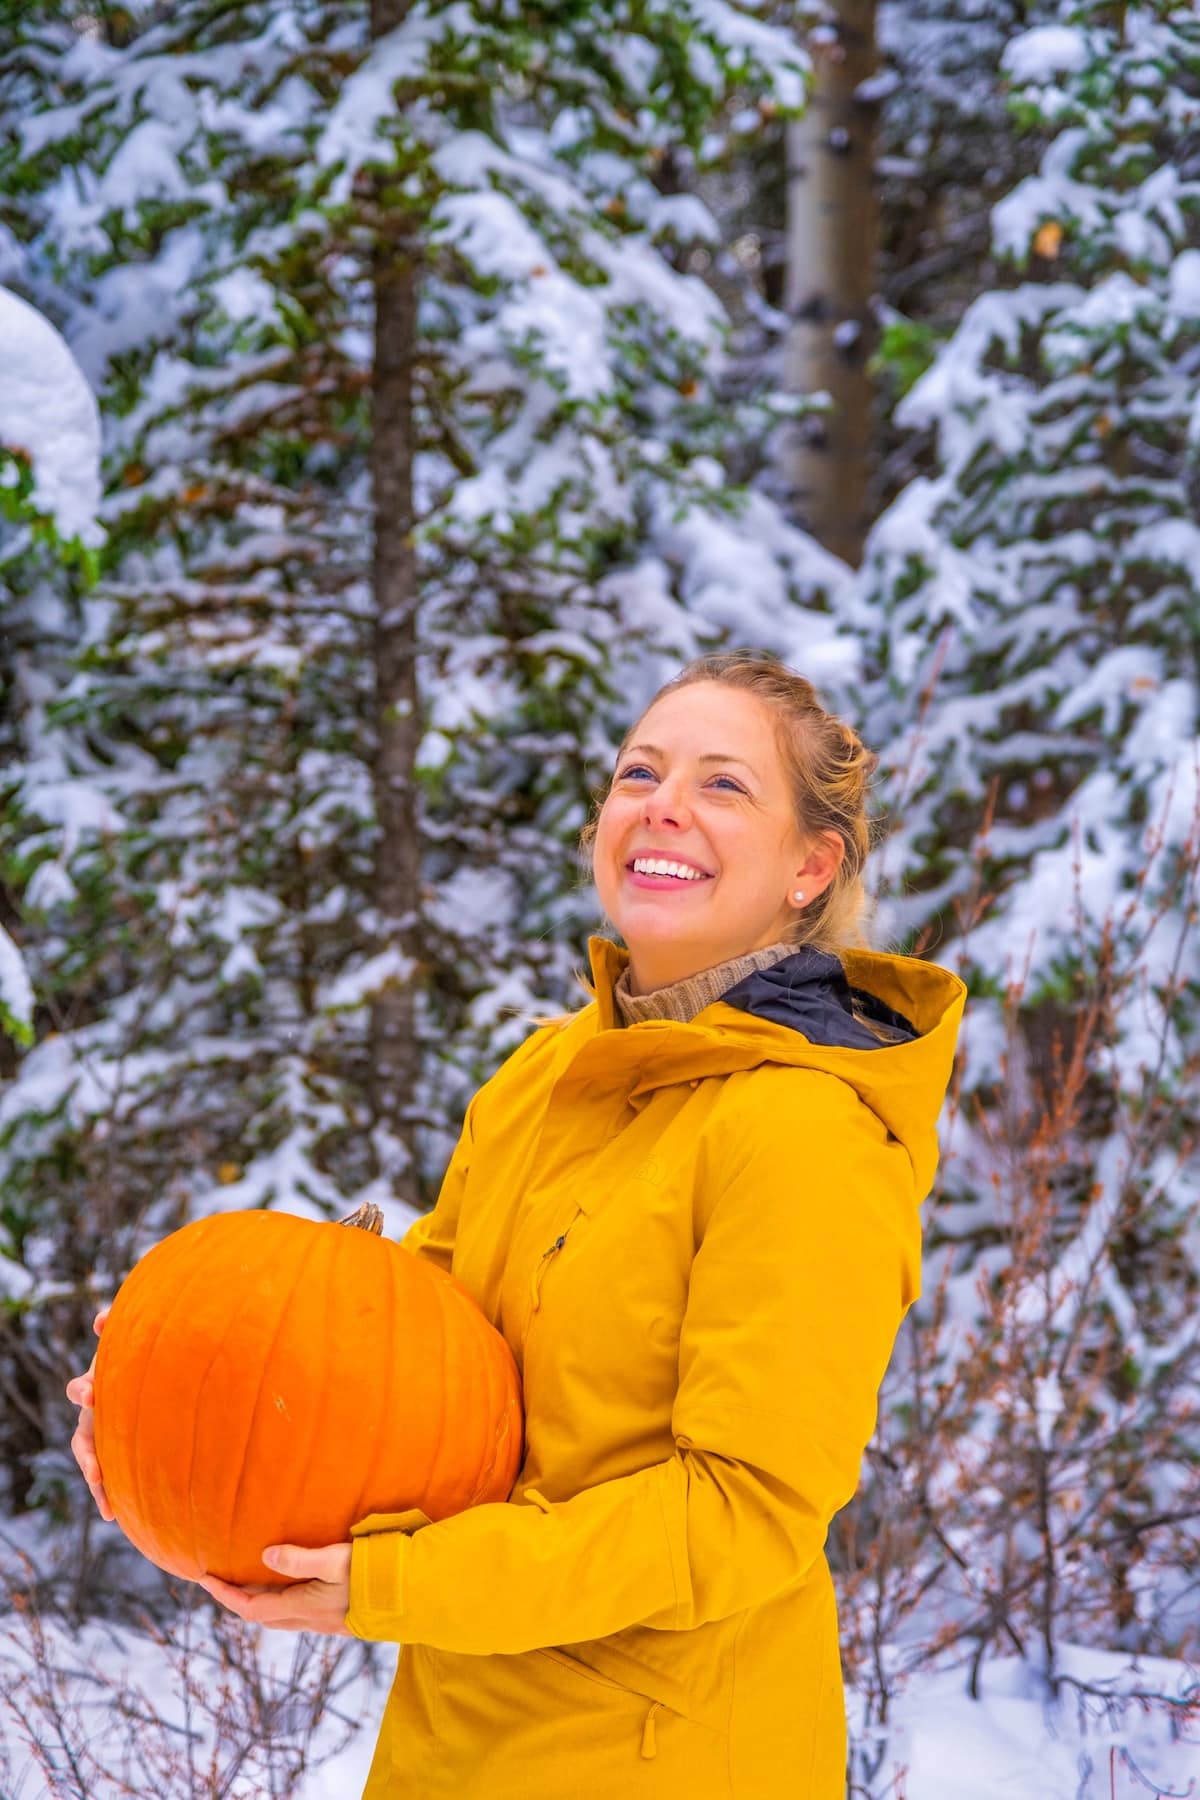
809 992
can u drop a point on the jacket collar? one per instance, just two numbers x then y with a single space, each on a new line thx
903 1083
811 991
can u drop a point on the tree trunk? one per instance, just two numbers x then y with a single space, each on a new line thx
833 233
393 1045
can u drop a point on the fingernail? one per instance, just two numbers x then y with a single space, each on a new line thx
271 1557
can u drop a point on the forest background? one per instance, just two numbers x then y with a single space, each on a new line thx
462 369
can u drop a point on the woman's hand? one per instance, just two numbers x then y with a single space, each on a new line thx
81 1389
318 1600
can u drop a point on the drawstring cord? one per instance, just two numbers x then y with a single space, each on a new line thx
649 1747
539 1268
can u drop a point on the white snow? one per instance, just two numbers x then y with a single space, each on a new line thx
1046 50
1183 288
365 99
1048 1405
128 1704
16 1282
16 990
243 294
48 412
753 40
360 982
1013 1743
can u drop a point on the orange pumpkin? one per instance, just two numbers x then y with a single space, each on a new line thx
267 1379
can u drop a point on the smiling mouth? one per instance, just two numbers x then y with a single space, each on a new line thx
680 881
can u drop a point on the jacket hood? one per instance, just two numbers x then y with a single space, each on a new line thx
798 1012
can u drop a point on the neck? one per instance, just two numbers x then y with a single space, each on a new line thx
664 965
684 998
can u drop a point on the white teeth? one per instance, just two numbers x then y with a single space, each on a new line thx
644 866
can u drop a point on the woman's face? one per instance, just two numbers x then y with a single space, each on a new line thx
702 783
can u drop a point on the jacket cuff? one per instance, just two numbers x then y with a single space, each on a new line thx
378 1549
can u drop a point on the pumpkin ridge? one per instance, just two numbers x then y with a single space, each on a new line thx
500 1411
367 1486
496 1408
147 1358
445 1410
315 1436
481 1375
264 1363
431 1300
199 1396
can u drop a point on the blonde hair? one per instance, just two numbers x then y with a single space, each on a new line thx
829 770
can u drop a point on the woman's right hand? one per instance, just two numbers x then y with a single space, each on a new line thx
81 1389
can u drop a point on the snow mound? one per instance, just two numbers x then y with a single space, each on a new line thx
48 411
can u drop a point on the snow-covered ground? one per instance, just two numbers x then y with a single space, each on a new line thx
1012 1744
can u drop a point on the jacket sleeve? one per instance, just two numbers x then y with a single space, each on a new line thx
808 1262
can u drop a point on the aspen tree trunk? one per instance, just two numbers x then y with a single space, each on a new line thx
393 1045
833 233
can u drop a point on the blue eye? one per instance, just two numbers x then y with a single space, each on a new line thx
640 768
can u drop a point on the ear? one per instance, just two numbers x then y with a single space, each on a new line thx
824 859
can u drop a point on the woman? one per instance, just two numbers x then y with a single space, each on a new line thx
692 1208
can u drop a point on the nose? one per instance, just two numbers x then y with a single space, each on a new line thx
668 805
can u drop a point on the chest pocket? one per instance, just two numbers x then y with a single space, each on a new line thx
597 1266
605 1305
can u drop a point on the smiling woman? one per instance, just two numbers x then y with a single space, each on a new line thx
691 1208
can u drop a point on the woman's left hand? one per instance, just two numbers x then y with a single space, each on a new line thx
318 1600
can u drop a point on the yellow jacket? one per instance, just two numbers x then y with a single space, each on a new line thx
699 1241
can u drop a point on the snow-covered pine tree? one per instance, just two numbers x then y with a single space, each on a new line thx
946 143
946 152
210 202
1031 624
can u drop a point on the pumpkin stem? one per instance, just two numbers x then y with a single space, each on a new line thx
367 1217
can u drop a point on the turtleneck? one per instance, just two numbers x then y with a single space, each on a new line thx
682 1000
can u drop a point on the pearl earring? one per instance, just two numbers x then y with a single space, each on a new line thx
797 895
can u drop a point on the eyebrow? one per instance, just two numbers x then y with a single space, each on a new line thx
712 756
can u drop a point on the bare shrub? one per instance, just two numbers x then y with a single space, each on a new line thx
200 1706
1035 1477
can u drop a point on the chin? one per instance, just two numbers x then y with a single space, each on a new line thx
638 939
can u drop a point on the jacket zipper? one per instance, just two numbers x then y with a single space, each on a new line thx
540 1267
